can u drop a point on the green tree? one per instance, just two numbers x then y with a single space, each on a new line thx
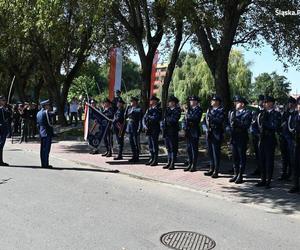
272 84
220 25
194 77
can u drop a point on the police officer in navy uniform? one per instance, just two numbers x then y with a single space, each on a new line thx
294 128
287 145
151 124
107 125
4 127
119 127
170 128
240 120
191 127
46 132
269 122
254 129
134 117
214 128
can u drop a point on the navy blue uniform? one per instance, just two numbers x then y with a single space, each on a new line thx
4 130
119 129
239 122
214 123
134 117
106 125
294 127
46 134
287 144
269 123
254 129
151 123
170 127
192 132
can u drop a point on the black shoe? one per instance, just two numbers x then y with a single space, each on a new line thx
294 190
256 172
209 173
283 177
215 175
261 184
188 168
193 168
119 157
94 152
239 179
154 162
167 165
3 164
233 179
150 161
133 160
109 154
105 154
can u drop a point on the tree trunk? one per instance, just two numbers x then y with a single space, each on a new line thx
146 82
220 75
171 66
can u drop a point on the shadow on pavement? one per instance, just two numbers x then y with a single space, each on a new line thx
69 169
277 197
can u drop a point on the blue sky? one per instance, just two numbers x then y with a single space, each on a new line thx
266 61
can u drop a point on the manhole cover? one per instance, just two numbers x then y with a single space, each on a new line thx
184 240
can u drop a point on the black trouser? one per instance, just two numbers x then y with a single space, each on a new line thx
24 130
267 147
153 143
120 140
296 165
192 149
134 144
108 139
75 115
255 142
239 149
214 152
171 142
287 148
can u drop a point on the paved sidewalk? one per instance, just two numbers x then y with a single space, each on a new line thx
276 200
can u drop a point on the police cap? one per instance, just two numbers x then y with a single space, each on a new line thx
216 98
269 98
154 98
292 100
194 98
173 99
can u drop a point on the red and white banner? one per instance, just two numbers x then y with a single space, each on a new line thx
153 73
115 71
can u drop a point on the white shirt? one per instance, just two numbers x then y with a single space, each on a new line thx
73 107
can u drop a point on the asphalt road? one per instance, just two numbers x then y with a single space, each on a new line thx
73 207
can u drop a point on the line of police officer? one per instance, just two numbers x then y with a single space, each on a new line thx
264 124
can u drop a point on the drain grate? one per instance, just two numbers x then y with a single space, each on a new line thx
185 240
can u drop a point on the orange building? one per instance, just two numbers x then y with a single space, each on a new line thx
160 74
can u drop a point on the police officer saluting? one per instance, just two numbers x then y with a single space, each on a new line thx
287 145
269 124
134 117
213 125
151 124
4 127
170 127
192 131
294 128
239 122
119 127
46 132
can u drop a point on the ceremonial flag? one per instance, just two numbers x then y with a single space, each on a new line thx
95 126
115 71
153 73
